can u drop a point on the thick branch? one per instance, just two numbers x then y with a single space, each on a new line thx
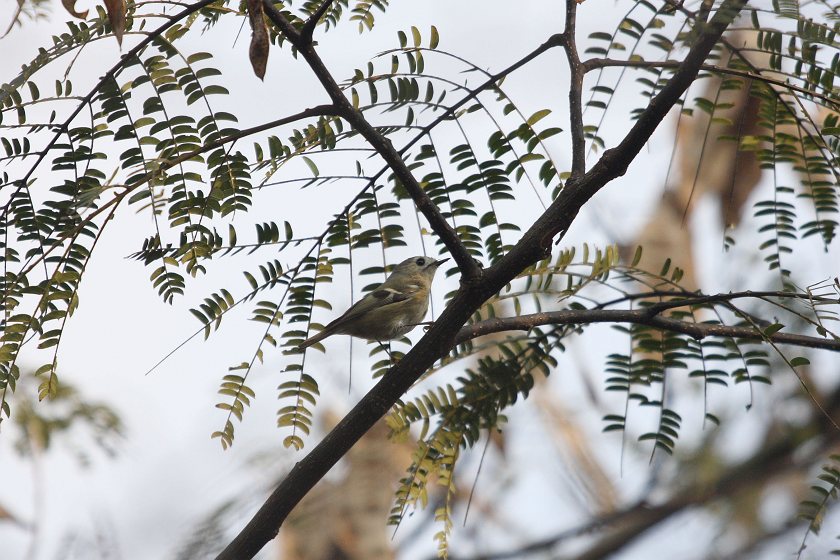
470 269
639 317
536 242
286 28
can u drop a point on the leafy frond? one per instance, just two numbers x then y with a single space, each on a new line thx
813 509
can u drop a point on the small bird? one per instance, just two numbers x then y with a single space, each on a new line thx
395 307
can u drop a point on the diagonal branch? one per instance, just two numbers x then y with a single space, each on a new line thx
615 161
536 242
469 268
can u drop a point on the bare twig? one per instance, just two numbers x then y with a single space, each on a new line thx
576 72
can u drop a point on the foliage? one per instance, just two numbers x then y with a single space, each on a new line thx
156 133
39 428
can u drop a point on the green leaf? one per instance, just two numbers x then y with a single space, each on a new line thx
538 116
434 39
311 164
772 329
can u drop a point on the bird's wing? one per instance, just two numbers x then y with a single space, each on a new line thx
375 299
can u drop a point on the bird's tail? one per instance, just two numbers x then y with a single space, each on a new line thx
313 339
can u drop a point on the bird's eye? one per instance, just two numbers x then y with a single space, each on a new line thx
420 262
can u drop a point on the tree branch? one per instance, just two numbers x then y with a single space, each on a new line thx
285 26
535 244
615 161
697 331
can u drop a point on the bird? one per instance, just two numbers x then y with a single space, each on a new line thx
392 309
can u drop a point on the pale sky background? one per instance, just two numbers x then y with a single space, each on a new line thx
169 473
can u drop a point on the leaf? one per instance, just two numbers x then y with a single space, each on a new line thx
311 165
116 17
637 256
49 387
773 329
538 116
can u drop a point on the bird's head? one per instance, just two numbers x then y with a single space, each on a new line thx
418 267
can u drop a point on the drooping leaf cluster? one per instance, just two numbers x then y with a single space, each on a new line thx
823 493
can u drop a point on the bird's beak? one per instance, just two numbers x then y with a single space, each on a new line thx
436 263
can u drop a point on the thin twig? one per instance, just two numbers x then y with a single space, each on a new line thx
576 72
